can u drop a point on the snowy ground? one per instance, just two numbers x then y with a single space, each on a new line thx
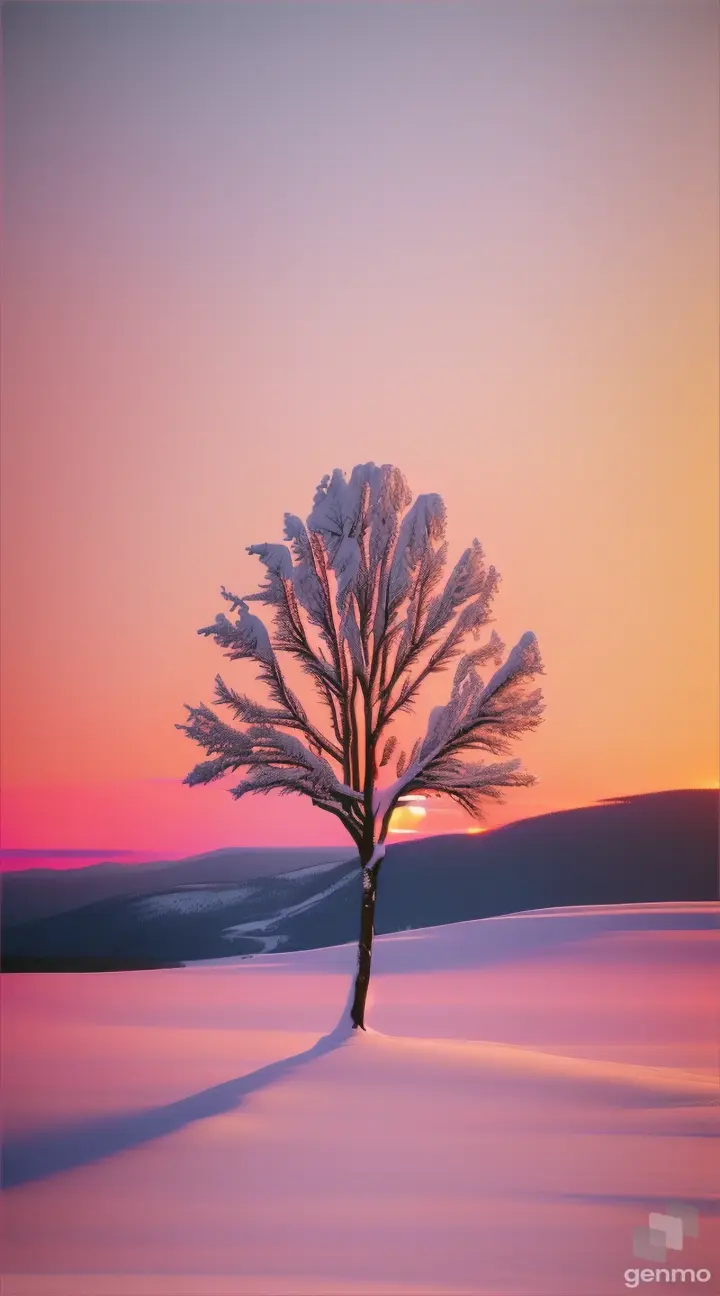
533 1087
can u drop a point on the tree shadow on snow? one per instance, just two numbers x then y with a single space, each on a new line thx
27 1158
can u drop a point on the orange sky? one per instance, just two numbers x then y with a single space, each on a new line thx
247 244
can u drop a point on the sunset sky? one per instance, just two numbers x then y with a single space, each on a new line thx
245 244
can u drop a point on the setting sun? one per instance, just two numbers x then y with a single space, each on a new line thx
407 816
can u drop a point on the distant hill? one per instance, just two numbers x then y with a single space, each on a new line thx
659 847
40 892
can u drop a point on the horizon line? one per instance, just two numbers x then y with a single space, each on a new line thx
65 852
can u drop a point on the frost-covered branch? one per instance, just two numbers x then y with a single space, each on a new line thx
261 745
476 716
469 581
247 637
470 784
357 597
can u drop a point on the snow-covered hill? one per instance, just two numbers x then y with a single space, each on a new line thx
659 847
532 1087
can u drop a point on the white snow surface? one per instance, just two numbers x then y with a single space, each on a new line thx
262 924
301 873
191 899
531 1088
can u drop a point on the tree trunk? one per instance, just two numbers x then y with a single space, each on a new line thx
367 929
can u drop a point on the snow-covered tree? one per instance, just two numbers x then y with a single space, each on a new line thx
360 599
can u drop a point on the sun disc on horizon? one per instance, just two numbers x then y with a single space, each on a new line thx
407 817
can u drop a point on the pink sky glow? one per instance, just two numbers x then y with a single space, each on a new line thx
246 244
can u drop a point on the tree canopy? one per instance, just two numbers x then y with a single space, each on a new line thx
360 599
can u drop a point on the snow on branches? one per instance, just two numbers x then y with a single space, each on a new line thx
357 598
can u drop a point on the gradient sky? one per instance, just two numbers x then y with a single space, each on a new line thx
245 244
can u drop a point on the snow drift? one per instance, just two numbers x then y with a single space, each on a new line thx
532 1088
